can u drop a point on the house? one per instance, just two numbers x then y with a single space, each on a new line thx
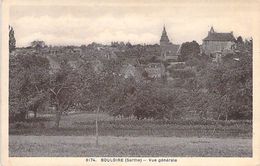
132 71
168 50
128 71
217 57
54 64
218 42
55 50
155 70
77 50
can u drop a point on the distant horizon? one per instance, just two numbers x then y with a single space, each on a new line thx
109 42
137 24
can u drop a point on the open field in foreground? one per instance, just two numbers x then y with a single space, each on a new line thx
145 146
83 124
129 137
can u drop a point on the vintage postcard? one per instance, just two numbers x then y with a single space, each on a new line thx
130 82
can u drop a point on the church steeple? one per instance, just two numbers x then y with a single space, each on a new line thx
164 37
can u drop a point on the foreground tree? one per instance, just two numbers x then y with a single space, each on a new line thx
147 100
28 81
64 89
231 84
100 76
12 41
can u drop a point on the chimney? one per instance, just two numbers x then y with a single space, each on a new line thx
211 30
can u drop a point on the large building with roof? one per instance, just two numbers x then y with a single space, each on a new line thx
218 42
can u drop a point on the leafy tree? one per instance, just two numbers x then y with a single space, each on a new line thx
12 41
240 45
239 39
99 77
188 50
83 48
147 100
38 44
249 46
99 80
244 47
224 89
65 86
231 84
40 98
128 45
28 81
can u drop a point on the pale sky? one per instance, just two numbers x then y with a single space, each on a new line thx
136 23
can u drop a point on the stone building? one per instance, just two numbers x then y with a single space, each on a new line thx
155 70
168 50
218 42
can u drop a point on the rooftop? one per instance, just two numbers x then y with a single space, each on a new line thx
214 36
164 36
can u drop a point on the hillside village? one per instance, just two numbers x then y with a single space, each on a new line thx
153 61
189 69
158 90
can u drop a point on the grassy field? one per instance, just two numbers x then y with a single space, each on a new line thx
129 137
84 124
145 146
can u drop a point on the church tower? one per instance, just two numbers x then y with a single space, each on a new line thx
164 38
164 44
168 50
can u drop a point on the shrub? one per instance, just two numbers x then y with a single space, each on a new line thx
181 73
27 125
17 116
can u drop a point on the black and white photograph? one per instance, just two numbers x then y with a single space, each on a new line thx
131 79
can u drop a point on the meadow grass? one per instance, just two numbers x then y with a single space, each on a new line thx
142 146
129 137
84 124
